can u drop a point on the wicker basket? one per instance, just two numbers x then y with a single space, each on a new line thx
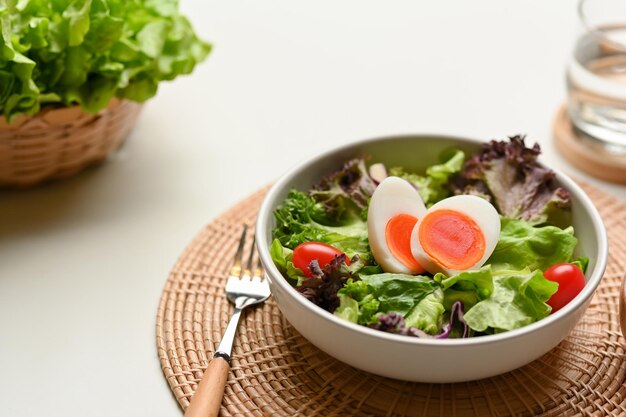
57 143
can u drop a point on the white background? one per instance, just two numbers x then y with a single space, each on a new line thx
83 262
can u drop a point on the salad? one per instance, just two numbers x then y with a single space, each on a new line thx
477 244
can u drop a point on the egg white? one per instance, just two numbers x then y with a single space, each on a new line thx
393 196
480 211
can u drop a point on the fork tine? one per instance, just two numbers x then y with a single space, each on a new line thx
235 270
248 270
258 270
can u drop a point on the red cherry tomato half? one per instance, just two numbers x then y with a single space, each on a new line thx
571 281
306 252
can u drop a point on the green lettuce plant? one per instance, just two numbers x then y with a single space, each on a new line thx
67 52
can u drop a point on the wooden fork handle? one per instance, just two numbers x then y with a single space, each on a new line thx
622 306
207 399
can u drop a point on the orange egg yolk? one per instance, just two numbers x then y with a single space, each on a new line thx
452 239
398 237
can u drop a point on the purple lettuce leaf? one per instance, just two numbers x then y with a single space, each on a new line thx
344 191
322 288
507 174
394 323
456 319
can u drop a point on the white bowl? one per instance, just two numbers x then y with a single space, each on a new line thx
410 358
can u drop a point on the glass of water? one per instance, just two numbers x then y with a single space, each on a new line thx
596 74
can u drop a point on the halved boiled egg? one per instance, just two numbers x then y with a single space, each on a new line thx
456 234
394 210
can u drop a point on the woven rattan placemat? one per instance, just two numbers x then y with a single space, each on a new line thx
276 372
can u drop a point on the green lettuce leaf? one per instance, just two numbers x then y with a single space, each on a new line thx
282 257
87 51
522 245
303 219
77 18
348 308
427 315
433 186
367 306
468 287
399 293
378 294
581 263
518 299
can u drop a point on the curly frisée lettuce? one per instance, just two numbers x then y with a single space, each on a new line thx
508 292
302 219
85 52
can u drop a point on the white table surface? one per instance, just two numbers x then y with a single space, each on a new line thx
83 262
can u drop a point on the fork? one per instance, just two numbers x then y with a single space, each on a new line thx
245 286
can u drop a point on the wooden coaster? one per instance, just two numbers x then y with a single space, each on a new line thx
277 372
587 153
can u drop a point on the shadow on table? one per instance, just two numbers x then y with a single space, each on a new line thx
38 210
